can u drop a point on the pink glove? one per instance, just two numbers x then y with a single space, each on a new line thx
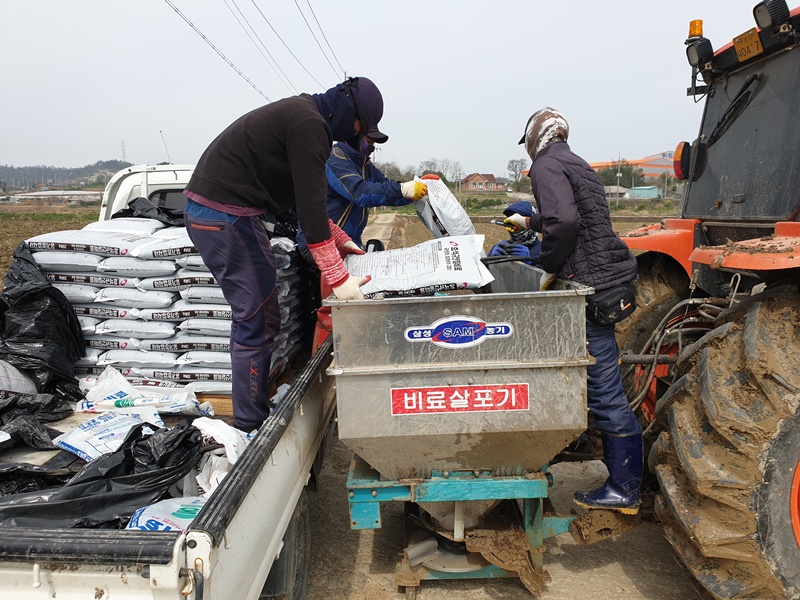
329 262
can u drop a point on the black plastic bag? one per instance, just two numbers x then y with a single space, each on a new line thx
142 207
19 478
24 427
107 491
45 407
41 333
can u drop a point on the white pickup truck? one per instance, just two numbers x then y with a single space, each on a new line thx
252 537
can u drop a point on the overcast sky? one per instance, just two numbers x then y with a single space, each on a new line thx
459 78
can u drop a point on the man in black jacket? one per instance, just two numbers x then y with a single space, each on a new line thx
265 163
579 243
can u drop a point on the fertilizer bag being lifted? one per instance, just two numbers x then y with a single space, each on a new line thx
451 263
441 213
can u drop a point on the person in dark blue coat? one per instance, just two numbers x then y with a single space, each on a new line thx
355 185
579 244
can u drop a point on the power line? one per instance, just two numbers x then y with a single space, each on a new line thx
217 50
315 38
325 37
282 76
285 45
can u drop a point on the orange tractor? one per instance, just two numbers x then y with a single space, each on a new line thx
712 356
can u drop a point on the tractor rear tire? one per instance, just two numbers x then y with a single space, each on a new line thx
727 463
661 285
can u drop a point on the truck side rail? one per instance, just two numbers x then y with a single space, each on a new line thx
96 546
215 516
114 546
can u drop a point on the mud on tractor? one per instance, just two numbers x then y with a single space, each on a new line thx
712 355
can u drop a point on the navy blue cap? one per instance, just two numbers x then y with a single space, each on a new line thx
523 207
369 106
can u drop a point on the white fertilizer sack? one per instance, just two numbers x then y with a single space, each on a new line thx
136 329
99 280
183 342
221 360
102 243
212 327
170 233
128 266
198 294
193 263
172 514
60 262
135 298
104 342
451 263
441 213
165 248
13 381
138 358
185 374
185 310
104 433
177 282
104 312
88 324
77 293
111 391
136 225
90 357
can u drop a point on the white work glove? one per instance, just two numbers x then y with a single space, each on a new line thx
516 223
344 244
546 280
350 289
413 190
331 267
349 247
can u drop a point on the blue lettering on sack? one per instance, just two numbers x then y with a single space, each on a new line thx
458 332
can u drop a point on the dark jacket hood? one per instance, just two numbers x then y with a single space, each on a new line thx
338 109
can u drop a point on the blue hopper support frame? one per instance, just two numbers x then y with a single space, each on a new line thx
366 491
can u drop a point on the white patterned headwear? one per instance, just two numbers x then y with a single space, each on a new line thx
544 127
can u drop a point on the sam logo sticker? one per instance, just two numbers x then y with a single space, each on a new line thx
458 331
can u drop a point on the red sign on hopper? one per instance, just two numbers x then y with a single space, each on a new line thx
459 398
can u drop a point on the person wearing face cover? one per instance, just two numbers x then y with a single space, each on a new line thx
266 163
355 185
579 244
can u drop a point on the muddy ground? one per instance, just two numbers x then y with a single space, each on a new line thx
360 565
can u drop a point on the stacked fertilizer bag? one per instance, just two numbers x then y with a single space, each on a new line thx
150 308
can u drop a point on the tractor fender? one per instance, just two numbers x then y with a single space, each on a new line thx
781 250
674 237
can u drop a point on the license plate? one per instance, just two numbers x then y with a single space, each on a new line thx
747 45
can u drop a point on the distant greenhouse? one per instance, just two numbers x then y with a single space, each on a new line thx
645 192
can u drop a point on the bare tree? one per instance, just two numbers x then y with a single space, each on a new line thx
445 168
457 171
516 166
390 169
429 166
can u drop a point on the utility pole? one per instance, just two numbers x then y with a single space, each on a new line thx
619 176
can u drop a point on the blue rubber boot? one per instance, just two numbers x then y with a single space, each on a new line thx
623 458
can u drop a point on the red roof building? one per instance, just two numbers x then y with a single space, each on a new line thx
477 182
